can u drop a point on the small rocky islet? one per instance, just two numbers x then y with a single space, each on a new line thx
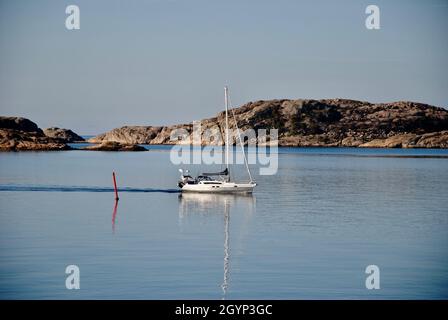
300 123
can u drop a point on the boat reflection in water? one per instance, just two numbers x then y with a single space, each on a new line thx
223 204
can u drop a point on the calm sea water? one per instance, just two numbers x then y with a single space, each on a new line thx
308 232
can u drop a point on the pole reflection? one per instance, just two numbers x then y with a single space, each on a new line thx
114 216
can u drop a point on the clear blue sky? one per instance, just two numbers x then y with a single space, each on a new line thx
166 61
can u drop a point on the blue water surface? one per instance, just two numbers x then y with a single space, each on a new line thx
308 232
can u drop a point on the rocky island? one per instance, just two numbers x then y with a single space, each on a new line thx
21 134
17 134
300 123
62 135
317 123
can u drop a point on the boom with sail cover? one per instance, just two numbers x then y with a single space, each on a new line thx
222 173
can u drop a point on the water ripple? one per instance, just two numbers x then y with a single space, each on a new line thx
52 188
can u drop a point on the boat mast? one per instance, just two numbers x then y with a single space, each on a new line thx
226 99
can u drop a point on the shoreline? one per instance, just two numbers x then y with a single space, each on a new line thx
367 152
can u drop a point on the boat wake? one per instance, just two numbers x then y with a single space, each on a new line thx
27 188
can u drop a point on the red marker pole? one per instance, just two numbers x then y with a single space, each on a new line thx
115 186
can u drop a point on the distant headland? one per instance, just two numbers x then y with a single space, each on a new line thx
300 123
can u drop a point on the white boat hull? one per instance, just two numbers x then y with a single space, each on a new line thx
225 187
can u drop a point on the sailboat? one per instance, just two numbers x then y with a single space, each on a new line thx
218 181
